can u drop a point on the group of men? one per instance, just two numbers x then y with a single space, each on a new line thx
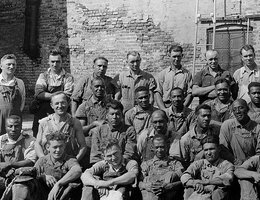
133 136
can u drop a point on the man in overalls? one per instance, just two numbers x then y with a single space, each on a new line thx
16 148
112 177
53 80
160 179
92 113
250 72
12 91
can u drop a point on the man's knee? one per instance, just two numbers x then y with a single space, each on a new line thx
89 193
20 192
248 190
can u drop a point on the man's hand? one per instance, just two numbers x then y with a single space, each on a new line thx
54 192
256 177
167 186
199 187
98 123
157 188
103 192
50 180
212 94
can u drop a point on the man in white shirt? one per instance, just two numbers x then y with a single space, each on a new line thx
12 90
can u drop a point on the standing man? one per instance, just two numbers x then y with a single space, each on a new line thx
140 115
12 91
53 80
203 83
239 135
82 90
114 128
63 122
127 81
173 76
221 106
250 72
254 104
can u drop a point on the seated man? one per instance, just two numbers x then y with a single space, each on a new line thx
140 115
55 173
17 149
181 118
115 175
208 178
221 106
114 128
161 175
63 122
249 177
254 104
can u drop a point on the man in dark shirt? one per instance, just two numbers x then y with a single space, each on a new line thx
254 104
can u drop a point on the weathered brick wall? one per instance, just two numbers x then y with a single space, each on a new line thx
86 29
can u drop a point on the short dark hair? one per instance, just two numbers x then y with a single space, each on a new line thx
97 79
109 143
162 112
55 52
159 137
177 88
200 107
175 48
247 47
100 58
253 84
115 105
59 93
141 88
7 57
211 138
14 117
222 80
133 53
58 136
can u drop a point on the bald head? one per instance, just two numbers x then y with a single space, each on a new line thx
159 113
212 59
240 102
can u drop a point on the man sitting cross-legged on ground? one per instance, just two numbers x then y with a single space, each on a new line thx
16 149
161 176
55 173
111 177
208 178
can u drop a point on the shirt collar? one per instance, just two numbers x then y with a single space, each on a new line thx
12 82
181 70
237 124
95 101
58 162
10 141
173 114
206 70
155 158
245 69
62 73
128 73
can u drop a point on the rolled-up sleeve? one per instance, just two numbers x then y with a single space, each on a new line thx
132 166
29 153
79 88
68 84
160 81
197 79
81 111
41 85
152 83
191 172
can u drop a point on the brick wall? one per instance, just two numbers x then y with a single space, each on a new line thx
87 29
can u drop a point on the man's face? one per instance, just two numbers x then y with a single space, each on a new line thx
204 118
13 128
114 116
248 57
100 67
254 94
134 63
223 92
177 98
211 152
159 123
56 148
176 58
114 156
8 66
212 59
160 148
240 111
142 99
98 88
59 104
55 63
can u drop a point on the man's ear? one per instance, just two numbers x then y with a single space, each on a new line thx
48 146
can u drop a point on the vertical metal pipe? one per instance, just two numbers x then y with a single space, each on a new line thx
195 39
214 25
247 30
225 8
